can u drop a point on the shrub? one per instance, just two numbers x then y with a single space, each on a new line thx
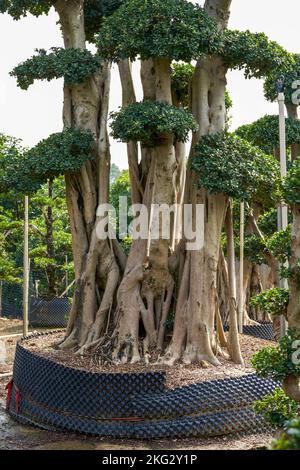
290 439
277 362
273 301
277 408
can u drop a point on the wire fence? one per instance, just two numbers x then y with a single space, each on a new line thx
44 310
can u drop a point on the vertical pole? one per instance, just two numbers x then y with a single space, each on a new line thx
283 210
1 290
26 269
241 279
67 277
36 285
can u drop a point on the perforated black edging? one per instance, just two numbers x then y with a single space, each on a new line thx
263 331
50 395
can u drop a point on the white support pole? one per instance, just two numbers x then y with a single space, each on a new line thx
67 277
26 268
283 210
241 277
1 291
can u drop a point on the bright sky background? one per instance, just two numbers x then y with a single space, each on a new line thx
34 114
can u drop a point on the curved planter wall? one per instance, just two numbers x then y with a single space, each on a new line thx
264 330
52 396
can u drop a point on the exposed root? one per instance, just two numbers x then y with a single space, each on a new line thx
70 342
127 351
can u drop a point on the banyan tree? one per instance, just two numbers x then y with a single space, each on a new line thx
179 152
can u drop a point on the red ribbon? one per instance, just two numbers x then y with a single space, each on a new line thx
18 399
9 388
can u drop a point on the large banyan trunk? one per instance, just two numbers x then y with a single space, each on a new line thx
146 292
194 338
146 289
96 268
293 313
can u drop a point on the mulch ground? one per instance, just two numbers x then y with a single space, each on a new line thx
177 375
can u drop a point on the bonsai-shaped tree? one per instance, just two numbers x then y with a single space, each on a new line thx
80 152
157 32
291 191
49 232
264 133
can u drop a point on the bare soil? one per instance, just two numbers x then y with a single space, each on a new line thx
10 326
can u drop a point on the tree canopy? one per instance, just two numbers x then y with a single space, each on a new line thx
253 52
176 29
290 71
74 65
264 132
291 186
94 11
148 121
228 164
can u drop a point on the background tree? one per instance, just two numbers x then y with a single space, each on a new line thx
49 231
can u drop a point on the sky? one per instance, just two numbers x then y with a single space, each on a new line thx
34 114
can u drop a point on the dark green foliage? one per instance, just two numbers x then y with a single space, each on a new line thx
291 185
268 222
182 75
121 188
94 11
277 408
170 321
290 439
48 251
254 249
26 171
265 132
10 150
274 302
253 52
158 28
278 362
228 101
9 228
60 153
291 73
146 122
14 173
19 8
75 65
230 165
280 244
